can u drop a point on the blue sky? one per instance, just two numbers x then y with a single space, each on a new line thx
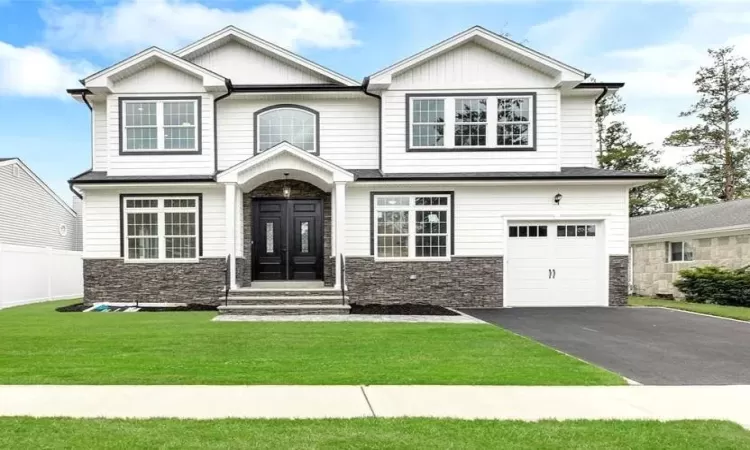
45 46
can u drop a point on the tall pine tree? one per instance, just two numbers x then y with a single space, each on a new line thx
721 150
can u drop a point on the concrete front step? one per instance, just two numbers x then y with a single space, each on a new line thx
267 292
286 300
288 309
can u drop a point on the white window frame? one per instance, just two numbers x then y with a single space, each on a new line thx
486 124
412 124
315 117
412 209
160 125
682 251
449 126
160 212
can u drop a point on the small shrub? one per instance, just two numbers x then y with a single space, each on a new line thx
718 285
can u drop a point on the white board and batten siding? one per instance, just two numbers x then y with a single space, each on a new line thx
244 65
348 128
101 219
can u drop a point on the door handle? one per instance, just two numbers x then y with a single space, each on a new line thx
550 274
554 273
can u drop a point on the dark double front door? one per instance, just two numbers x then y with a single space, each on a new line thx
287 239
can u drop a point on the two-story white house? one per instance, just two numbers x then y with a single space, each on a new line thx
462 176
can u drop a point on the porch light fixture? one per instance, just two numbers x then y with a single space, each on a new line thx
558 197
286 190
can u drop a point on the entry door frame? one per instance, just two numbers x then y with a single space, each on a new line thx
604 256
286 234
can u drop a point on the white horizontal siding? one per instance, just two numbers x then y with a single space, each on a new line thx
397 160
101 219
30 216
100 136
472 66
135 164
577 132
480 212
244 65
158 78
348 129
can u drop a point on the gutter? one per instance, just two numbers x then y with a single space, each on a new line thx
230 89
365 84
295 88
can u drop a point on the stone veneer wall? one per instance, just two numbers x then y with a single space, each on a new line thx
302 190
112 280
618 280
460 282
653 274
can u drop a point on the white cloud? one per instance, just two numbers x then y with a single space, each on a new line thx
36 72
132 25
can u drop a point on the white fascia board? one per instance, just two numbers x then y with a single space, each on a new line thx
39 182
382 78
692 234
230 175
254 41
535 182
101 80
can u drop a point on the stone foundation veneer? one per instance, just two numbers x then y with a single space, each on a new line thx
618 280
460 282
113 280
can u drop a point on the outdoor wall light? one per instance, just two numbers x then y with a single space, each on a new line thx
558 197
286 190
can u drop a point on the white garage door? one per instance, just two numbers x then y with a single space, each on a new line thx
555 264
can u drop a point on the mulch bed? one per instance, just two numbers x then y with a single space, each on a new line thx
79 307
411 309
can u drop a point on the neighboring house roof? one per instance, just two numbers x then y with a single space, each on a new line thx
493 41
234 33
702 219
567 173
25 168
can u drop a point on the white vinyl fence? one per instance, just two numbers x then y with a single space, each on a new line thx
36 274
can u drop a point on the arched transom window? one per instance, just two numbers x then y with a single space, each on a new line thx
294 124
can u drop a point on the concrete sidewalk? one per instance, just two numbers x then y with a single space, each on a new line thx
464 402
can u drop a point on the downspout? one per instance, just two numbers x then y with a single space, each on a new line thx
230 89
91 119
596 102
365 84
601 96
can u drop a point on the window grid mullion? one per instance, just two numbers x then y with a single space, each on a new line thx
449 130
491 130
160 128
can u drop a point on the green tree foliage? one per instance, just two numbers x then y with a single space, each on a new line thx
720 149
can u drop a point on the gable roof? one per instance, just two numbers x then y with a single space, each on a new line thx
493 41
42 184
233 33
701 219
146 58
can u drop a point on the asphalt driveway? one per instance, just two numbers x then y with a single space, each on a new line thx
649 345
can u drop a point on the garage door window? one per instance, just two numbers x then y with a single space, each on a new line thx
576 230
531 231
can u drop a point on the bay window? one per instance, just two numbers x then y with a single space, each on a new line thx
169 125
161 228
475 122
412 225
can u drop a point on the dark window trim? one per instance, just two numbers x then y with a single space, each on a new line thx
452 210
531 148
123 197
198 126
256 128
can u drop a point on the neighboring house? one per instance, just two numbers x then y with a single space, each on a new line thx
463 175
662 244
31 214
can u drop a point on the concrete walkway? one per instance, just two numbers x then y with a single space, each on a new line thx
464 402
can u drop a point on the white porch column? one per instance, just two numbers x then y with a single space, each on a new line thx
338 214
230 210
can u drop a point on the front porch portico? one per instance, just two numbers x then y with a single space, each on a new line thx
294 201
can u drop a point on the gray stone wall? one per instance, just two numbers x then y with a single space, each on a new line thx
113 280
460 282
301 190
618 280
654 275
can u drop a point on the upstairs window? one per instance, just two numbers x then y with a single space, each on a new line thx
296 125
163 125
468 123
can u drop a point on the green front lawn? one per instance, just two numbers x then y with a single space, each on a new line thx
28 433
732 312
41 346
